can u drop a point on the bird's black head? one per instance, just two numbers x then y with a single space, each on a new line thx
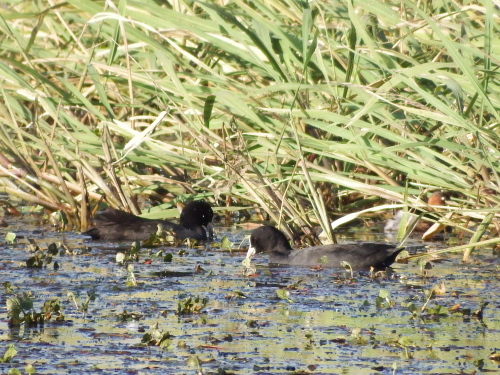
267 238
196 214
197 217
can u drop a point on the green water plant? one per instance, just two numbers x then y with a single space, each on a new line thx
226 244
41 257
80 305
10 353
131 279
127 316
21 310
191 305
383 299
436 310
9 287
357 336
427 311
284 294
479 312
406 343
235 294
10 238
166 257
164 237
347 266
249 269
194 361
157 337
424 266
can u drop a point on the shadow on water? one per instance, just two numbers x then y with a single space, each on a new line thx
199 313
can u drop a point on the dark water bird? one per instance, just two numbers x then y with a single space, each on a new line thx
115 225
362 256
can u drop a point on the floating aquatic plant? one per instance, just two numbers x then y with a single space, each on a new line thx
156 337
20 310
10 353
191 305
82 306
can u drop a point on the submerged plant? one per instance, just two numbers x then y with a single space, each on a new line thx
284 294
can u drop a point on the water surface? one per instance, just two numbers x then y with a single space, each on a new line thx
330 324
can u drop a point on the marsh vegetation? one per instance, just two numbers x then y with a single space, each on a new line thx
303 110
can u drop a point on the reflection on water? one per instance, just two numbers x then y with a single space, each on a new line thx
332 324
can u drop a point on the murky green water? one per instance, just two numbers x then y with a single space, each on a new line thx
332 325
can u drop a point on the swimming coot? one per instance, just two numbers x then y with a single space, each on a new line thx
116 225
267 239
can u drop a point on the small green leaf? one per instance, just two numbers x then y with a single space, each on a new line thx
34 262
194 361
120 258
405 341
356 332
29 369
246 262
8 287
346 265
240 294
131 280
383 293
10 353
379 301
225 244
412 308
284 294
10 238
207 109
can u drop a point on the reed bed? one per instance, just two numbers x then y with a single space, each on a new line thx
306 110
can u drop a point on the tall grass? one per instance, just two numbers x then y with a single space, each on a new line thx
305 109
